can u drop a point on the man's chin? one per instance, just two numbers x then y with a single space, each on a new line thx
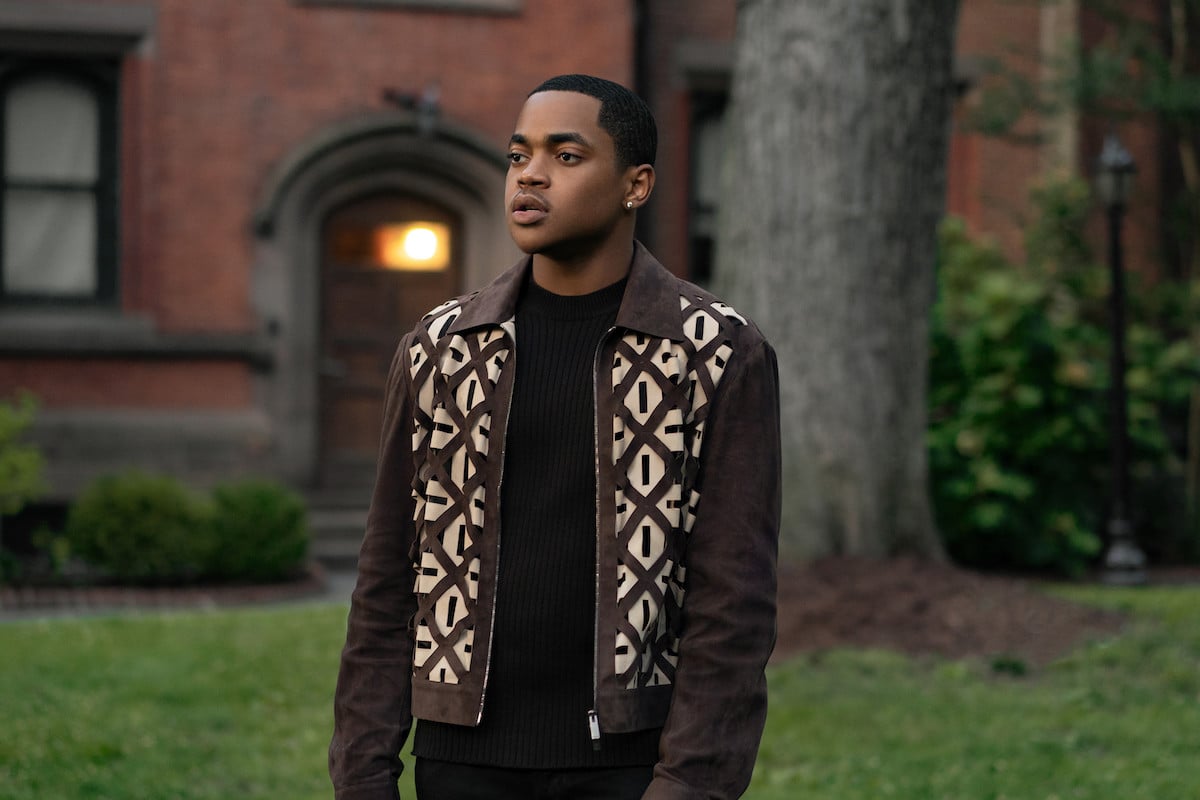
531 245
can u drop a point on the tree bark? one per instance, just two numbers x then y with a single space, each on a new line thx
834 187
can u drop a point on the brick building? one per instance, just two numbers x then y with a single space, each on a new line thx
684 67
202 268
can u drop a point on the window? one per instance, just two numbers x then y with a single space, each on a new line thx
58 164
707 160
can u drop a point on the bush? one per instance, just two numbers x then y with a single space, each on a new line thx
21 467
1018 438
20 464
140 528
260 531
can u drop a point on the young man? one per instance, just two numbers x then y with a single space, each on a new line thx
568 573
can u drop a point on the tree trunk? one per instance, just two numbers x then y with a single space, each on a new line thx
834 187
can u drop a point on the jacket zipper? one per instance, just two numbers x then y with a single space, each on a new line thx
487 662
593 716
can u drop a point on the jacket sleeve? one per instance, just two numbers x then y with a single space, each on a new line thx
372 701
719 702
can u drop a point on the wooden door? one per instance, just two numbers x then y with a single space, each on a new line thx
373 291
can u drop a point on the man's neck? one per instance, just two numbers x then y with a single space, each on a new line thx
585 274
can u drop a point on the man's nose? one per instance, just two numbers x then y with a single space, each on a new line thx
533 174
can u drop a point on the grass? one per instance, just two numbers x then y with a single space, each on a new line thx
1116 719
179 706
237 704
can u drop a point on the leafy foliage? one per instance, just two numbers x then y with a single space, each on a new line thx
140 528
1019 436
260 531
137 527
21 464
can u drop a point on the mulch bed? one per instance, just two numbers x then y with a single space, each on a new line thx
922 607
907 605
104 598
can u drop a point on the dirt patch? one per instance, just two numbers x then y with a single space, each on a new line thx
921 607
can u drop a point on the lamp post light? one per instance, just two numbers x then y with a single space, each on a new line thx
1124 561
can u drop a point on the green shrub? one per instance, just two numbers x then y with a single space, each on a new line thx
21 472
1018 437
21 464
260 531
139 528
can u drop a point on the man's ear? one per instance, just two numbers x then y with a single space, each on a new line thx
640 184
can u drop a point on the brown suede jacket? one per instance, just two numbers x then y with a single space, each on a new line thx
688 495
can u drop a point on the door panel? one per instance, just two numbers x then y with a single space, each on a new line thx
366 306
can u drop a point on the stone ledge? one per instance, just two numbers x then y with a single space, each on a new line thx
38 333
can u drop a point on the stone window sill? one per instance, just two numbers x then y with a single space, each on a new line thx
98 334
477 6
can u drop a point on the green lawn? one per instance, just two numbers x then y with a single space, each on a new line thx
236 704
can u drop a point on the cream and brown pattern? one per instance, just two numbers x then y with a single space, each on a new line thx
455 376
663 390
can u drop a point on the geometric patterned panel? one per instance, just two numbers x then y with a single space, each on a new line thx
662 389
453 422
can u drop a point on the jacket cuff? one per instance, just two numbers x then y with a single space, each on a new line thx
374 791
664 789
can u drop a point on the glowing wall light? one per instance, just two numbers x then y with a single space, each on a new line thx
417 246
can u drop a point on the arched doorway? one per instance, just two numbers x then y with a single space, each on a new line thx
376 170
386 259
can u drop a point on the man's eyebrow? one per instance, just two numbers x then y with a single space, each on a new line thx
553 139
571 137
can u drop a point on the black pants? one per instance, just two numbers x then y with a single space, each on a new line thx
443 780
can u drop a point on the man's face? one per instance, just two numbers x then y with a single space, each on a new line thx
565 193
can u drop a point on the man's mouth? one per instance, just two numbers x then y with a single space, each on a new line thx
528 209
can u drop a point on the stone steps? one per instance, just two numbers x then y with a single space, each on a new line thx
336 535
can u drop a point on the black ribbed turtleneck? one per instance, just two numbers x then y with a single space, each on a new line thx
540 684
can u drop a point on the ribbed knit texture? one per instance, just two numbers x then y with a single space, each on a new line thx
540 687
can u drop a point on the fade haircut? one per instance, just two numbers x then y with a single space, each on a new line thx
623 115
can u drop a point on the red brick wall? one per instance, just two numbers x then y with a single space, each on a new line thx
989 179
117 384
1146 141
226 89
237 85
991 176
670 26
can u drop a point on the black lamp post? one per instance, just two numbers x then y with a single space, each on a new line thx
1124 561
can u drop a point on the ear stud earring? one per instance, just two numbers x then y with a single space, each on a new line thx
629 204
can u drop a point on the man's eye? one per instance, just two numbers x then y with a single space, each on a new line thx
516 158
568 158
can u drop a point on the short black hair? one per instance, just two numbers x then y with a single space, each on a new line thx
623 115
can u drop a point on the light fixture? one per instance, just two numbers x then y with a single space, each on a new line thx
1114 176
413 246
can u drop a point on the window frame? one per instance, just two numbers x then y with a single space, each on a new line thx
704 104
100 75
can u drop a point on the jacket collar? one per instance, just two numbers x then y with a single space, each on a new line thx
650 305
